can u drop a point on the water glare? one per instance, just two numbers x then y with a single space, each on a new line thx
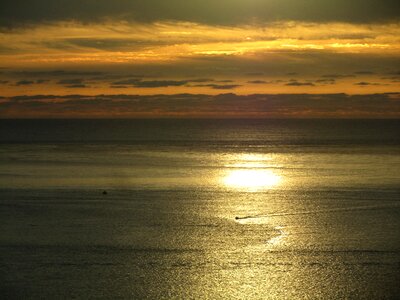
251 172
252 179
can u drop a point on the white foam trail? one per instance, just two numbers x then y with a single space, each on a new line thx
371 207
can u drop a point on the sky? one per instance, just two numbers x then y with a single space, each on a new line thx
181 58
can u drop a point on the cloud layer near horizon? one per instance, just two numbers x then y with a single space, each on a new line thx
316 48
282 57
187 105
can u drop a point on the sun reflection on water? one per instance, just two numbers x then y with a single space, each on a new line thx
251 172
252 179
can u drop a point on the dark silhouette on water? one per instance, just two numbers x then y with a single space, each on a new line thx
105 193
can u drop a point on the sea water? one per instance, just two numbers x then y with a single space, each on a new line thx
200 209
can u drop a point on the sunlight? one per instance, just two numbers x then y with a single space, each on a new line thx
252 179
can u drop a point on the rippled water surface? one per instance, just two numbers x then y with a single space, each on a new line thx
218 209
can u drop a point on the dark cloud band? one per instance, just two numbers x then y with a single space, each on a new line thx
14 12
286 105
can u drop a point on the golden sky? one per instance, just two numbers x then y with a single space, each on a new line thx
242 48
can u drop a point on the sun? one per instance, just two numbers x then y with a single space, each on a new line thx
251 179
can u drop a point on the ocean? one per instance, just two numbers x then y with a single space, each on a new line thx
200 209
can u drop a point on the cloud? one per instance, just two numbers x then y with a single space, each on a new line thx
224 86
281 47
4 50
25 82
257 82
337 76
55 73
218 86
223 12
126 82
159 83
118 86
109 44
150 83
192 69
43 98
190 105
74 81
297 83
201 80
139 83
76 86
326 81
29 82
364 83
40 81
